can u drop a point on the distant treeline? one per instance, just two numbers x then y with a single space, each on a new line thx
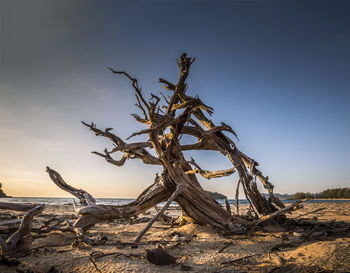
2 194
327 194
216 195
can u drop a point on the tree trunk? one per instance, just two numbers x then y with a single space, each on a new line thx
177 115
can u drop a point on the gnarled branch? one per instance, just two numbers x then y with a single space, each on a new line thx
8 247
209 174
85 198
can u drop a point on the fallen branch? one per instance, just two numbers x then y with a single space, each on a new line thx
228 208
10 222
85 198
225 246
316 210
292 207
179 190
16 206
8 247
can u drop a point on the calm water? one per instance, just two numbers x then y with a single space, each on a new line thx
123 201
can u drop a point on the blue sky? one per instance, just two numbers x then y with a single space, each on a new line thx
277 71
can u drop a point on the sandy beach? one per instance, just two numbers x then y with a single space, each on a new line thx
271 248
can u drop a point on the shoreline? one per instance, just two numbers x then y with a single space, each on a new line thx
197 248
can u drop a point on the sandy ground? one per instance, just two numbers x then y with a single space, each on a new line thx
272 248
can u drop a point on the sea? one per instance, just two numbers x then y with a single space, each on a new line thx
123 201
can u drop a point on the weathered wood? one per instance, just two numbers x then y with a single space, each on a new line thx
8 247
10 222
294 206
183 115
85 198
227 205
179 190
237 197
16 206
209 174
92 214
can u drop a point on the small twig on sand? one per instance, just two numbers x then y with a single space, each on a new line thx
226 246
301 215
93 261
99 254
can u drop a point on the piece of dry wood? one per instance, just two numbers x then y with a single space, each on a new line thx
209 174
294 206
307 213
85 198
16 206
10 222
92 214
237 197
179 190
228 208
8 247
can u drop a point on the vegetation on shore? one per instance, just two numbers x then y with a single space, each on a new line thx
2 194
216 195
285 196
327 194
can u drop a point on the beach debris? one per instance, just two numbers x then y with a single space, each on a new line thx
227 205
310 212
294 206
100 240
92 257
177 238
159 257
16 206
10 222
8 247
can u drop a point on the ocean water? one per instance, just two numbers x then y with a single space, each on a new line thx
123 201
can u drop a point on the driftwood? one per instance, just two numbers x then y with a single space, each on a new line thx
16 206
227 205
294 206
8 247
167 120
84 197
92 214
10 222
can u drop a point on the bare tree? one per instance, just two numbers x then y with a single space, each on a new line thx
168 118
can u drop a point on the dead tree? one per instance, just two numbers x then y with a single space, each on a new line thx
168 118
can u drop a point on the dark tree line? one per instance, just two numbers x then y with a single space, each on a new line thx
2 194
327 194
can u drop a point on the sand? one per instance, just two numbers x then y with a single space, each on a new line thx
271 248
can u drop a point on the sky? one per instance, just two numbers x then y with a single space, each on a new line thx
278 72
